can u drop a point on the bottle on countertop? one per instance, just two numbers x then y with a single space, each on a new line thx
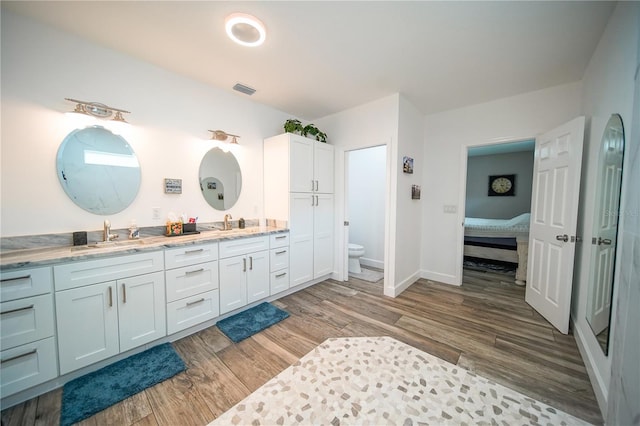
134 232
241 223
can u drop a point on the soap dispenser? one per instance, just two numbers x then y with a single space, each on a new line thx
134 232
241 223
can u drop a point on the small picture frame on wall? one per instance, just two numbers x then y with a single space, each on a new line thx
502 186
415 192
407 164
172 186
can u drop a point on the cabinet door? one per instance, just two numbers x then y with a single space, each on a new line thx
323 236
87 319
301 164
233 283
301 238
141 310
323 167
257 276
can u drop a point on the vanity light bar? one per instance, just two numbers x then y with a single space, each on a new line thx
221 135
96 109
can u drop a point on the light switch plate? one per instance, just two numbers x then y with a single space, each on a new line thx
448 208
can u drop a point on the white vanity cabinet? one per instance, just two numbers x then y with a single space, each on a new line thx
108 306
244 272
298 182
27 332
192 285
279 262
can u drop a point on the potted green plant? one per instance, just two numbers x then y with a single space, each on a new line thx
311 129
293 125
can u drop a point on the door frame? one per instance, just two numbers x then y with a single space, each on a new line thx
464 153
342 257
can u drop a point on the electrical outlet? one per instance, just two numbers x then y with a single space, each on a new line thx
155 213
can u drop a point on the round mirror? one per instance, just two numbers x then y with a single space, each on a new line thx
98 170
220 179
605 230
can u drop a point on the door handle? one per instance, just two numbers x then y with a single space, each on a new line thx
110 297
317 186
312 185
124 293
251 263
563 237
605 241
244 264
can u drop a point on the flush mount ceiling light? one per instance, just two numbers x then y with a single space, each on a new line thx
245 29
96 109
220 135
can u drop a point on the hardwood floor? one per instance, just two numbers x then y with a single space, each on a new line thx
484 326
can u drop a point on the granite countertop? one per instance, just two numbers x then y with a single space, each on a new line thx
46 256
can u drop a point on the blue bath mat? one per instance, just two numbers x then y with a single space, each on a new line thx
93 392
240 326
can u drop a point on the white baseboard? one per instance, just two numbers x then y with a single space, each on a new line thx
402 285
372 262
441 278
594 377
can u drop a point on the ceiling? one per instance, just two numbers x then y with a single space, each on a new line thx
322 57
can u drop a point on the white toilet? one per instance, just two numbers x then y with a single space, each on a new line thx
356 251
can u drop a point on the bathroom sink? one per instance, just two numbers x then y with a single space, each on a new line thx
108 244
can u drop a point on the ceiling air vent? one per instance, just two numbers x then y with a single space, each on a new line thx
244 89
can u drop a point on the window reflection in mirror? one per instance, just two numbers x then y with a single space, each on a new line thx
98 170
605 230
220 179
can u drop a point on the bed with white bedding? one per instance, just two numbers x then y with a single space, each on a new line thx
506 240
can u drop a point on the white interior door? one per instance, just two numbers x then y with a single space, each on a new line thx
554 210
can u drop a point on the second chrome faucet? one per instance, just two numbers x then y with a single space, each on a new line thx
227 224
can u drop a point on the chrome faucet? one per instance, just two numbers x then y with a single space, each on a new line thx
227 225
106 232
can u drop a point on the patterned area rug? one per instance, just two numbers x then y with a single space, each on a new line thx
368 275
381 381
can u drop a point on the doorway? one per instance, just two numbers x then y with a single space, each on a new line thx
365 212
498 194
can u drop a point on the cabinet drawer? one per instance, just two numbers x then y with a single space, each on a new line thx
78 274
279 259
279 240
190 255
25 283
243 246
279 281
28 365
191 311
191 280
26 320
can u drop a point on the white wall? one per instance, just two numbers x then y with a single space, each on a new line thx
394 122
479 204
607 89
366 195
448 134
408 221
371 124
169 121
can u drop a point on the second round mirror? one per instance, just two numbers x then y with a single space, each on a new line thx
220 179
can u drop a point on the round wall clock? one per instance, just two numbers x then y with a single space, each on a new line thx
502 185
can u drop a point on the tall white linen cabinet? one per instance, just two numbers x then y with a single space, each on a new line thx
298 189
